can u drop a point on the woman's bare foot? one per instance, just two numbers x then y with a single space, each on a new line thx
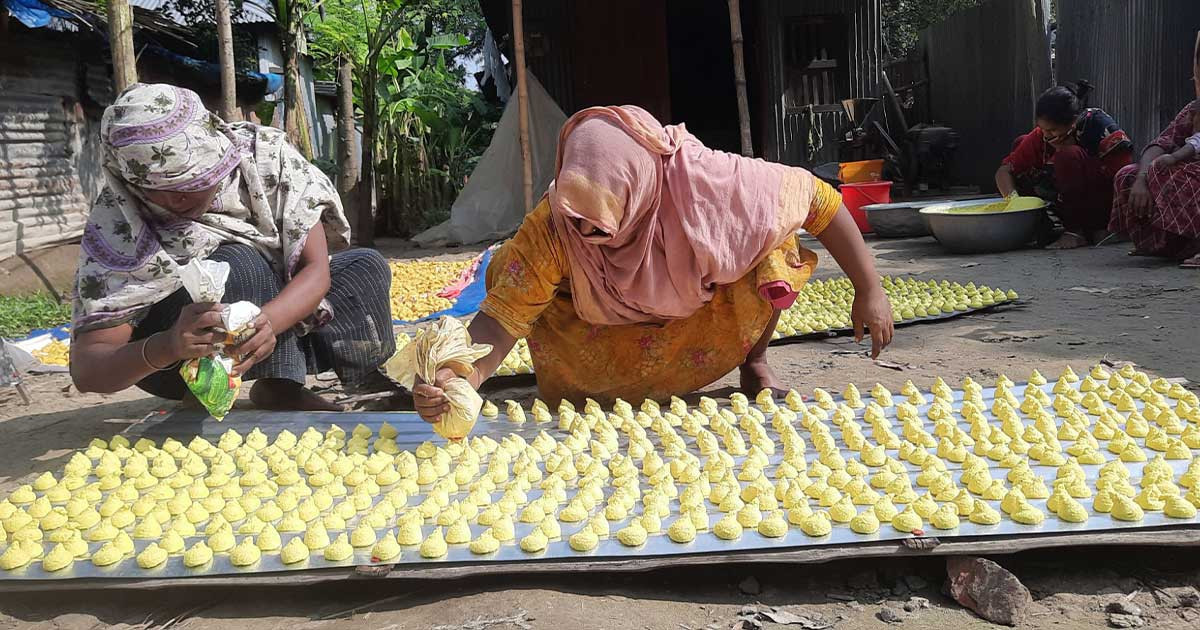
1068 240
281 394
757 375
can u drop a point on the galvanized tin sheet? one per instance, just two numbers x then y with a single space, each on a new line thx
412 432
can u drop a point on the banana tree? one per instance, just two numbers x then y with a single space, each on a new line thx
416 113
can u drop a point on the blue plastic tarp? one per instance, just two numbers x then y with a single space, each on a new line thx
60 333
471 297
32 13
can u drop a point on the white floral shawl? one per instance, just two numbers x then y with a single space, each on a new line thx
161 137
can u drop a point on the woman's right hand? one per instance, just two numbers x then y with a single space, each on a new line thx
193 336
430 399
1139 197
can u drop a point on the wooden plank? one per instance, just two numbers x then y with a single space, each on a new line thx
1178 536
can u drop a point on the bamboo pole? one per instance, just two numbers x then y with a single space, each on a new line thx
739 75
522 101
120 36
229 109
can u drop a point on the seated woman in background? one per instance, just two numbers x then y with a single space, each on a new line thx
1069 159
655 266
180 185
1158 199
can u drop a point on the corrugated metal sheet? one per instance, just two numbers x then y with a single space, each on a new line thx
987 66
253 11
788 130
49 161
549 49
1136 53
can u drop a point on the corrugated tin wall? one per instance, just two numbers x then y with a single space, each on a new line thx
788 128
549 48
49 161
987 66
1136 53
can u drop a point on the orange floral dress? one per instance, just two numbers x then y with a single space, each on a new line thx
529 294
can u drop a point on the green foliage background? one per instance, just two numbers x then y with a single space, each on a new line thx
903 21
431 128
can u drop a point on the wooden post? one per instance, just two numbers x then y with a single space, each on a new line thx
739 75
120 37
523 101
229 109
347 139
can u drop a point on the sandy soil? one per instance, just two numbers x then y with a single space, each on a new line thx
1133 309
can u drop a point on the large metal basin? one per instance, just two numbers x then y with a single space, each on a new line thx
984 226
899 220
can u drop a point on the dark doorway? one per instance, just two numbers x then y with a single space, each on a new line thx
816 60
701 70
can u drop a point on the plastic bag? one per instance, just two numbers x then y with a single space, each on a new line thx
205 279
211 382
210 379
446 344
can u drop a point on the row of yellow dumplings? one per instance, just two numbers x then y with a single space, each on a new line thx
836 484
1116 496
416 283
825 304
176 489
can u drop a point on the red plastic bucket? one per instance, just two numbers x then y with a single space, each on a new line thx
855 196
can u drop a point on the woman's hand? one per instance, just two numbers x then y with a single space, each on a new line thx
1139 196
193 336
257 347
872 310
430 399
1165 161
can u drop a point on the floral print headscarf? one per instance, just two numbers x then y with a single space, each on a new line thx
161 137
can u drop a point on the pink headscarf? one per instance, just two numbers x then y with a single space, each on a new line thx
678 218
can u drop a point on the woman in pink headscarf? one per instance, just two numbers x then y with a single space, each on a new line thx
654 266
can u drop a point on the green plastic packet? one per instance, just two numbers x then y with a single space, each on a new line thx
210 381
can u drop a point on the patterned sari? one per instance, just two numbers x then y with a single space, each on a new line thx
529 294
1173 227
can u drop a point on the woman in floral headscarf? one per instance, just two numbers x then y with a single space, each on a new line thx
181 185
654 266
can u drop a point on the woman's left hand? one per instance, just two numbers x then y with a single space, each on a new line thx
872 310
256 348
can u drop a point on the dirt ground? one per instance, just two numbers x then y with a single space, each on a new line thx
1080 307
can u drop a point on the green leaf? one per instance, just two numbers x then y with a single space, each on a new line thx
448 41
405 40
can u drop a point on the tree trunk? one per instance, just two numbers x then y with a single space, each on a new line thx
366 186
739 75
347 140
522 101
120 34
295 120
229 110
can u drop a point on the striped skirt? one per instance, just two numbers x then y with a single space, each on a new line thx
353 344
